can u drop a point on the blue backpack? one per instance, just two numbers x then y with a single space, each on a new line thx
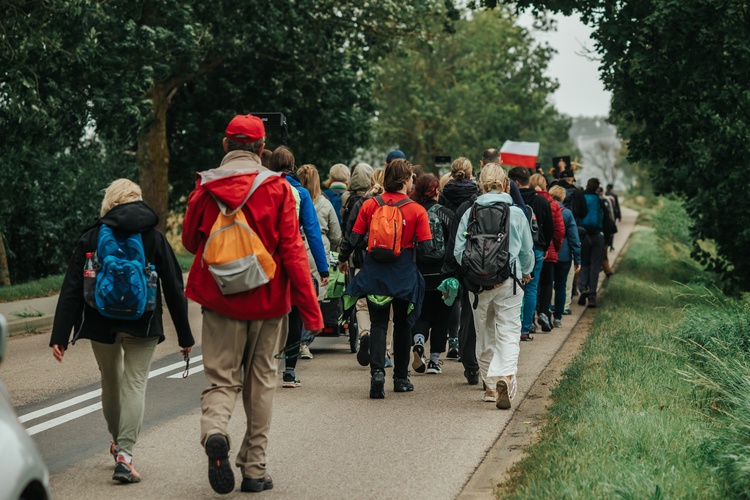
125 282
335 199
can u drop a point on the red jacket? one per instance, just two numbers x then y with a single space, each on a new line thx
271 213
559 224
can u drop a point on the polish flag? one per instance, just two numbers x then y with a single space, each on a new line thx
519 154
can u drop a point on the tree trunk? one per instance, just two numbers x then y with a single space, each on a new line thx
153 155
4 271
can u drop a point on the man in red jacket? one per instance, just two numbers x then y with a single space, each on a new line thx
242 332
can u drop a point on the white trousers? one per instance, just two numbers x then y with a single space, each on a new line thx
497 320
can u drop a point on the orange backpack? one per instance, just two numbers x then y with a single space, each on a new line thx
386 230
235 254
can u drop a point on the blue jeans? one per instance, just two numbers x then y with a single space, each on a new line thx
529 298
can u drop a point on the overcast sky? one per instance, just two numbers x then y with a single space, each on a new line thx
580 93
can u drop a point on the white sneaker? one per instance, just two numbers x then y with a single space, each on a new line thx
304 352
490 395
434 368
506 391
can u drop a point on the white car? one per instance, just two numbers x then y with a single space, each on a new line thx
23 473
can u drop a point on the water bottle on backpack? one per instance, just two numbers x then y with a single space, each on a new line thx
152 284
89 279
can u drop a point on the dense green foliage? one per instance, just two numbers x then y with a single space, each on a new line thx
149 82
635 415
679 74
459 93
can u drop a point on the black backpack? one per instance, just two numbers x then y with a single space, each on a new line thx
486 259
536 236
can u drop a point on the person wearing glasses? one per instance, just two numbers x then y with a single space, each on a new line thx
395 284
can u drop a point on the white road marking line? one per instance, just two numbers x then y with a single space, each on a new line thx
93 394
196 369
63 418
59 406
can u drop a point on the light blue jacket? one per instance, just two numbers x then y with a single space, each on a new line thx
520 246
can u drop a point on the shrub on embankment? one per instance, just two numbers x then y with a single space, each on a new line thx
657 404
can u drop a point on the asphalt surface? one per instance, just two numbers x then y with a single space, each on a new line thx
328 439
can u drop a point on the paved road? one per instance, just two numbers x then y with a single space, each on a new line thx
328 439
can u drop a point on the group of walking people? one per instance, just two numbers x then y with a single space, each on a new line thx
414 250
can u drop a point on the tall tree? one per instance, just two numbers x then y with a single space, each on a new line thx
679 74
460 92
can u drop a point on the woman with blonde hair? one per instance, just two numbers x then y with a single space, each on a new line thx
460 187
124 347
497 318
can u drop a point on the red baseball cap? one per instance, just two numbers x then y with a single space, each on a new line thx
245 129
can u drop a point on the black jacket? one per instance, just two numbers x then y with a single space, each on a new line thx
456 192
543 213
574 199
73 313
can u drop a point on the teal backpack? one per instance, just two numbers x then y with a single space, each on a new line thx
125 283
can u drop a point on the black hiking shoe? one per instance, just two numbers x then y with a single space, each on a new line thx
452 349
402 385
543 321
472 377
220 474
592 302
377 385
125 472
417 354
363 353
582 299
256 485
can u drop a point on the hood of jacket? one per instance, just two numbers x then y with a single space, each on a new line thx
527 194
360 180
458 192
231 181
135 217
546 196
494 198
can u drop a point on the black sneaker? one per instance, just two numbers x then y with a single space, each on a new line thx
417 354
472 378
256 485
434 368
377 385
543 321
402 385
592 302
220 473
582 299
452 349
125 472
363 353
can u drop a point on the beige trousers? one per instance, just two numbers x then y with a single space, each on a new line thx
124 367
238 357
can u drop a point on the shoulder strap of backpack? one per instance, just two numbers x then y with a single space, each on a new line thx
380 200
403 202
259 179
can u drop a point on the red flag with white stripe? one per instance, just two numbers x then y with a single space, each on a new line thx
519 154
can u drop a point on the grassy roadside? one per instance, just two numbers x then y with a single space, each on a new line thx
38 288
644 411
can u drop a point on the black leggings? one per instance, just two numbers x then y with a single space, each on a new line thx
434 319
293 338
379 318
544 297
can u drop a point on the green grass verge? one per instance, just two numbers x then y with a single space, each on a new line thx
38 288
635 415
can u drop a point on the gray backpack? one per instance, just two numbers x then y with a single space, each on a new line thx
486 259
